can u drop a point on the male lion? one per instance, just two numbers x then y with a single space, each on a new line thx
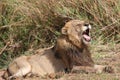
71 48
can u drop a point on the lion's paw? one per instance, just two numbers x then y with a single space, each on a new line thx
101 68
109 69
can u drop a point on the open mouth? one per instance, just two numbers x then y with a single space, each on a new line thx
86 35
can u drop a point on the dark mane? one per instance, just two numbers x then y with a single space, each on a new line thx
77 55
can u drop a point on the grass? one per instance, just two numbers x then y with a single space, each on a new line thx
31 24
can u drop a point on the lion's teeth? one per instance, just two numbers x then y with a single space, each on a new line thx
84 28
89 27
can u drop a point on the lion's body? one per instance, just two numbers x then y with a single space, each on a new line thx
39 64
71 48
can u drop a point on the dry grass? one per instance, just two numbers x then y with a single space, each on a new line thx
31 24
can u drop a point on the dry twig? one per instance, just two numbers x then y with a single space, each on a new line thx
4 48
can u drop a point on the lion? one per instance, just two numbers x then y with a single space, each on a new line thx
71 48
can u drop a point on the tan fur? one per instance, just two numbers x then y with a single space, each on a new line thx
70 49
39 64
70 46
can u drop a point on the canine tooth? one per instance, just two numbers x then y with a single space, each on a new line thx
89 27
84 28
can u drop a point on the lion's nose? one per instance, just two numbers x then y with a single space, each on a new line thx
86 24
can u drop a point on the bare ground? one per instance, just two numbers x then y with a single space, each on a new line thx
103 55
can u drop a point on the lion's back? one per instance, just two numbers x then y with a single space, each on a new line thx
45 63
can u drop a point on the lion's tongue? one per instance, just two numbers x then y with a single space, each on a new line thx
88 38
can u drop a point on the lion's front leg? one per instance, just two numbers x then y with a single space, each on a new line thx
102 68
68 63
93 69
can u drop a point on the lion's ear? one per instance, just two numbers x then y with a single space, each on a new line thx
64 30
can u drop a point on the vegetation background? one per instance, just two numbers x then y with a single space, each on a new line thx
26 25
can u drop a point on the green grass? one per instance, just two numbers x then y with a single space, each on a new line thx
31 24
